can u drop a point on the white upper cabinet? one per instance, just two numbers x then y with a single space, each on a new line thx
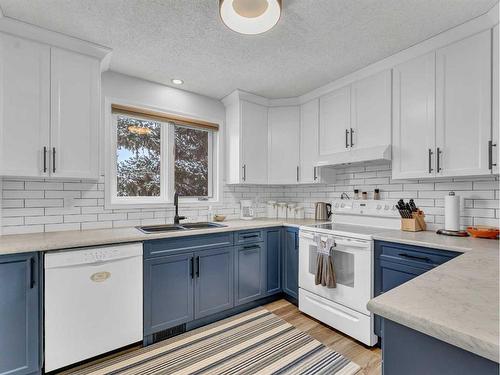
493 146
463 106
334 122
414 124
50 105
284 130
371 111
75 93
24 103
253 143
309 137
442 111
355 122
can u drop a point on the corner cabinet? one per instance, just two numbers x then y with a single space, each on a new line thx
52 97
442 112
284 133
20 315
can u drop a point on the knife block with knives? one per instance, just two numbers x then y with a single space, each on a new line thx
412 218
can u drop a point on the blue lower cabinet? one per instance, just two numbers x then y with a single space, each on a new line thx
20 314
273 240
250 273
168 292
409 352
395 264
214 279
291 262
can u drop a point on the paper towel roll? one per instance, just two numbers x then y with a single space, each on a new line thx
452 212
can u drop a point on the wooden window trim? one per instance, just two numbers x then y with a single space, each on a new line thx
162 116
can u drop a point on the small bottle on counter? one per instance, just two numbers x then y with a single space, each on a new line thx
376 194
356 194
364 195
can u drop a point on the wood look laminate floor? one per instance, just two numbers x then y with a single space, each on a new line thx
368 358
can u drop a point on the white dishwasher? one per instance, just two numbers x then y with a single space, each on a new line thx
93 302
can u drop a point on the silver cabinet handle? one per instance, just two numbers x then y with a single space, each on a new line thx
44 159
346 138
244 172
430 161
297 173
438 160
315 175
53 160
490 154
352 132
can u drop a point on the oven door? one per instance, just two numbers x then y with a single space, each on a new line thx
352 262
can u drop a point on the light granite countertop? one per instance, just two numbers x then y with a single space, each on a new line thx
20 243
457 302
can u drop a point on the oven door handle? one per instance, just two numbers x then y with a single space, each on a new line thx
339 241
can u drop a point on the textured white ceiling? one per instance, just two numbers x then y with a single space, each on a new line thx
315 42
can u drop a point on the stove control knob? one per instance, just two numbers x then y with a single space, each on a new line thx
386 207
342 205
379 207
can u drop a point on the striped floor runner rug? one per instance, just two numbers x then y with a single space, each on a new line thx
255 342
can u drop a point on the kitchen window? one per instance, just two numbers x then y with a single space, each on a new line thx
154 154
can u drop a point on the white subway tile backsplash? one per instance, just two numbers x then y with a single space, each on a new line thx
35 185
79 218
12 212
36 205
43 203
62 227
43 219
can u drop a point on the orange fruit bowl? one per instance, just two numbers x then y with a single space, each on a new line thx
483 232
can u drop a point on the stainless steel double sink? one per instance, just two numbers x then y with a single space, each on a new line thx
178 227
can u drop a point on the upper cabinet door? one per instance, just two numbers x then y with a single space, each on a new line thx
309 138
253 143
75 90
284 129
494 134
371 111
413 116
334 121
463 106
24 103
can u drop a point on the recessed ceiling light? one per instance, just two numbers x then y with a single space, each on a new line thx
250 16
177 81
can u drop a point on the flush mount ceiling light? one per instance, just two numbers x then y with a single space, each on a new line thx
250 16
177 81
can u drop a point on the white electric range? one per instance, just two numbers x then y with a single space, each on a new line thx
354 222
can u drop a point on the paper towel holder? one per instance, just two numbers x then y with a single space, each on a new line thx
454 233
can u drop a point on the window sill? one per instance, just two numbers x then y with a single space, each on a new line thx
159 206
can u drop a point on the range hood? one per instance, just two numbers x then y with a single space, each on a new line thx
369 154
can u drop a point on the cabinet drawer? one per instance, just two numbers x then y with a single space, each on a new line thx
154 248
413 255
249 236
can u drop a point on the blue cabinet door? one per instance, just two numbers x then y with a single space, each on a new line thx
395 264
213 281
273 239
168 292
291 262
19 314
250 270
